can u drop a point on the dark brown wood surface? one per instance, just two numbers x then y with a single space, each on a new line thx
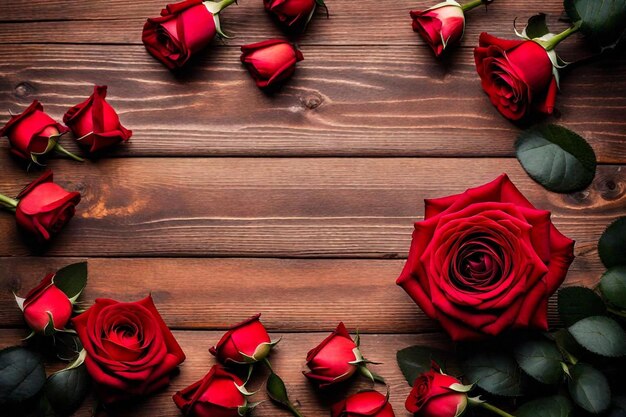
228 201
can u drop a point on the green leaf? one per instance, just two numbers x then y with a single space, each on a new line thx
536 27
72 280
601 335
613 286
416 360
22 374
604 21
66 389
577 303
589 388
276 389
612 244
541 360
494 372
555 406
557 158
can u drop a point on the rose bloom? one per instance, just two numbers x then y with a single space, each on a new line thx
293 14
365 403
215 395
517 75
130 350
95 123
330 361
182 30
432 396
485 260
246 342
30 132
46 303
441 25
270 62
44 207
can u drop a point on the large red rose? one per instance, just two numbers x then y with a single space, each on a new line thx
182 30
517 75
246 342
130 350
368 403
433 395
270 62
95 123
441 25
44 207
485 260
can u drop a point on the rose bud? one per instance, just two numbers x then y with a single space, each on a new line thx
517 75
95 123
293 14
270 62
336 359
246 342
33 133
46 308
130 350
435 394
218 394
441 25
365 403
182 30
43 207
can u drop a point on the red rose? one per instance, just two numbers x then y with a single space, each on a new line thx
44 207
246 342
182 30
130 350
435 395
270 62
517 75
215 395
33 133
45 304
95 123
485 260
293 14
365 403
334 360
441 25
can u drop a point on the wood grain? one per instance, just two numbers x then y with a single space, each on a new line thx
282 207
342 101
215 293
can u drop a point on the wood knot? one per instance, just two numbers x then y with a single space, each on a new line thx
608 188
24 89
312 101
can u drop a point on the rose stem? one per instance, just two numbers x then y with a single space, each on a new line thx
60 149
552 43
8 202
471 5
495 410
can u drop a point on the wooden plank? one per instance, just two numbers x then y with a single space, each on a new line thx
369 23
293 294
343 101
282 207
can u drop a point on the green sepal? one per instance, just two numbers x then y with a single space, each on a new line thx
49 330
242 389
374 377
242 410
19 301
218 28
260 353
360 360
458 387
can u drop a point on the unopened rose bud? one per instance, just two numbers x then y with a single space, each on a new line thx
435 394
46 304
441 25
246 342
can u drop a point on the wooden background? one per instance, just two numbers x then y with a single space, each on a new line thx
299 205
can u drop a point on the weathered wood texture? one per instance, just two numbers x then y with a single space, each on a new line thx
285 207
343 101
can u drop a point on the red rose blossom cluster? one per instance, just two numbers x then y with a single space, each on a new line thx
186 28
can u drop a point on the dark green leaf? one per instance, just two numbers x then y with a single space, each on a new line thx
276 389
537 26
612 244
66 389
556 406
557 158
589 388
601 335
541 360
613 286
22 374
416 360
577 303
72 279
602 20
494 372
